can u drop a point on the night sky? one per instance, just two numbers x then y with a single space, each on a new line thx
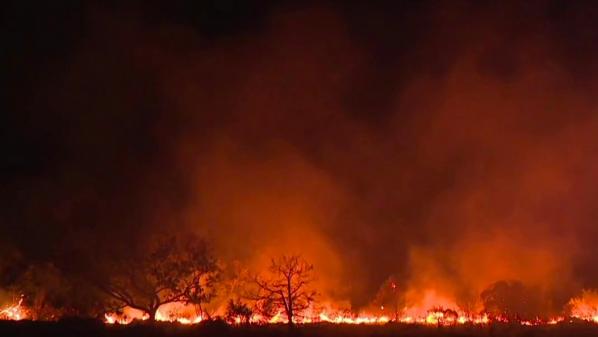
451 144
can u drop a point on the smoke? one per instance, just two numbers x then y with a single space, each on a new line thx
453 148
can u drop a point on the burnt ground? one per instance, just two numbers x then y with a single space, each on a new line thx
90 328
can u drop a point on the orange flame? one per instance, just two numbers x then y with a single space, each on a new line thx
14 312
431 309
585 307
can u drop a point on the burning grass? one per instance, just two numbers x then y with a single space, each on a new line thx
432 311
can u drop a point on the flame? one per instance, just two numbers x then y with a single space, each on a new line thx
127 316
172 312
434 315
14 312
585 307
432 309
178 312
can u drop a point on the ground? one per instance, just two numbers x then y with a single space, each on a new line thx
89 328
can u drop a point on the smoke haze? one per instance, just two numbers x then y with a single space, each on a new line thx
451 146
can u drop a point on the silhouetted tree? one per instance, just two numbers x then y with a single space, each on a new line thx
173 269
287 286
50 294
266 307
237 311
235 282
512 300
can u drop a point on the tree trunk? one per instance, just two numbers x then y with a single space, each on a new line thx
290 313
152 314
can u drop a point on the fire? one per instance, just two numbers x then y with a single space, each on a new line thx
359 319
14 312
435 315
113 318
127 316
173 312
585 307
178 312
433 309
327 316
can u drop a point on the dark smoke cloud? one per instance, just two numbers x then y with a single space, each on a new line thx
450 144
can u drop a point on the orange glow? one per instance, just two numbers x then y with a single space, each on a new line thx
14 312
585 307
127 316
172 312
433 310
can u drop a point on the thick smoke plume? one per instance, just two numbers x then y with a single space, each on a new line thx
451 146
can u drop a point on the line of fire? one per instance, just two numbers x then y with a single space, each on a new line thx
179 280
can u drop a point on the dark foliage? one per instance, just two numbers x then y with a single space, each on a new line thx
173 269
238 312
513 300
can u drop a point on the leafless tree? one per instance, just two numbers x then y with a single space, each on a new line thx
287 286
173 270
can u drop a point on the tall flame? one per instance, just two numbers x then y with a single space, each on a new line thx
14 312
586 306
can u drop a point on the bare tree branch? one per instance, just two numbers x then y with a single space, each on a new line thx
286 287
173 271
